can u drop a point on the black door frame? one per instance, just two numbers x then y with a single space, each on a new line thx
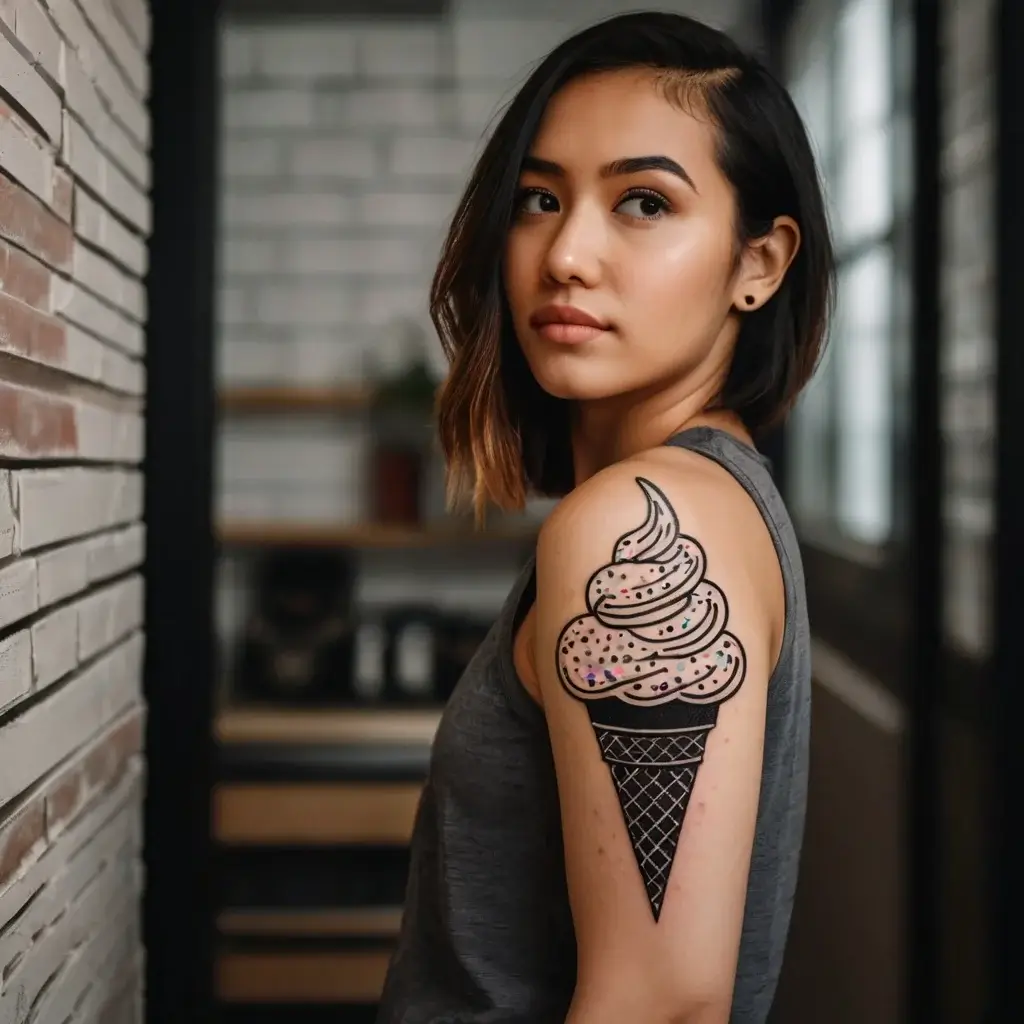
178 684
925 455
1008 775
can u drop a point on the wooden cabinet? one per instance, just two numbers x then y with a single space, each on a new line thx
312 816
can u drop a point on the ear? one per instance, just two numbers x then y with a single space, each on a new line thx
764 263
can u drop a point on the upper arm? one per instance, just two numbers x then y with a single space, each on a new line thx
654 647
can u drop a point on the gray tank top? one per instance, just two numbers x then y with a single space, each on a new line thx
487 933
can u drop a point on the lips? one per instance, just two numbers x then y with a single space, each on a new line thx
567 325
555 314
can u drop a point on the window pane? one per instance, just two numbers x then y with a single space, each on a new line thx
864 196
863 109
864 398
812 93
863 64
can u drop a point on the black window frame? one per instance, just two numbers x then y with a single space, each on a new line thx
1007 884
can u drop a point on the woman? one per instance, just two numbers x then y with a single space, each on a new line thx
635 284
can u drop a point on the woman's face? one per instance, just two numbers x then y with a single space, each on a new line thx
625 219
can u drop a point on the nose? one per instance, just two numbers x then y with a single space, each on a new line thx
574 256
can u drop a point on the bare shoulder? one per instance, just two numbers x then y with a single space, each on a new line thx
637 509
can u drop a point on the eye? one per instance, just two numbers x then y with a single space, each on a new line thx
533 201
643 204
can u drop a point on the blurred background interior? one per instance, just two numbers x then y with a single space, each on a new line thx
238 601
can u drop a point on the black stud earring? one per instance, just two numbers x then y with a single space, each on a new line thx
749 300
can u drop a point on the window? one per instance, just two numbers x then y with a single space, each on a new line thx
848 477
841 437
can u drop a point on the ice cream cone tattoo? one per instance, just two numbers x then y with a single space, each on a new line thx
653 660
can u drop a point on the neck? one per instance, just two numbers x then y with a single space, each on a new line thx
607 431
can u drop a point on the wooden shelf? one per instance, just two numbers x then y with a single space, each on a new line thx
308 976
358 725
365 535
314 814
342 398
343 922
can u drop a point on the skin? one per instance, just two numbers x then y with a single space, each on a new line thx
654 257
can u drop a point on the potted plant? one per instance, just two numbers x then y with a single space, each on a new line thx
402 405
406 395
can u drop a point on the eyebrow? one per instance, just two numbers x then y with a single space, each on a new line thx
626 165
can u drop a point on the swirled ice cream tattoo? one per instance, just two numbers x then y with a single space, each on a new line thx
652 659
655 629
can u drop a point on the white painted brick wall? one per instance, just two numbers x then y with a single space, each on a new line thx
54 646
18 593
968 344
288 108
30 91
8 519
97 224
26 158
291 213
31 31
402 52
83 871
74 216
16 674
333 158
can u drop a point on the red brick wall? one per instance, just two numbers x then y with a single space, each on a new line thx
74 217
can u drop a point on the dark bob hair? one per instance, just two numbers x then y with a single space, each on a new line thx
503 436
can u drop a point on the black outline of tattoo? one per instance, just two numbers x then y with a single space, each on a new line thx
648 703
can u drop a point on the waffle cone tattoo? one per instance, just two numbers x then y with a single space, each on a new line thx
652 660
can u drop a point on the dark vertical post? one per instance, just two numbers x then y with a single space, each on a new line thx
1008 675
925 548
177 921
